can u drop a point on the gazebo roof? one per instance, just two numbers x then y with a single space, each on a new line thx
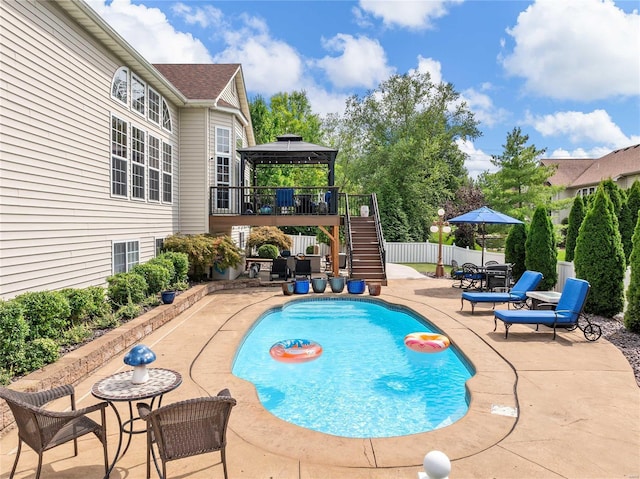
289 149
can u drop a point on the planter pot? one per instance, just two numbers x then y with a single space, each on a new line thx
168 296
375 289
288 288
319 285
355 286
301 286
336 283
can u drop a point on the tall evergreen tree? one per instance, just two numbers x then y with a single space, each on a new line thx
576 216
541 250
515 249
599 257
632 314
630 216
521 182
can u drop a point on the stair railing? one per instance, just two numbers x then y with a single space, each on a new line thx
376 218
347 228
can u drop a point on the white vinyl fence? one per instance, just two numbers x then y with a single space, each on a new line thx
428 253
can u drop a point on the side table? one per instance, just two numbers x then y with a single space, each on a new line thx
543 299
119 388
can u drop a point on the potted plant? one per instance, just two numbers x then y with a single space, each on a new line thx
336 283
168 296
318 285
355 286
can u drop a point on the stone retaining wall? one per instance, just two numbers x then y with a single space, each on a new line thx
79 363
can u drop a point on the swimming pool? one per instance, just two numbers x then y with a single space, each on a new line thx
366 383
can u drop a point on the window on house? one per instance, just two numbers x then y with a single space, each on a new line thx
138 94
126 254
119 157
154 168
167 169
166 116
223 167
154 107
159 245
120 85
137 162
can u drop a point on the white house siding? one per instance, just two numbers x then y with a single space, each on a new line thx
194 156
57 218
228 94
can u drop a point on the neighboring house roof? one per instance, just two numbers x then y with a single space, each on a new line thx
577 173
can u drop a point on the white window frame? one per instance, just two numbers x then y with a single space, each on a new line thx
153 108
137 105
119 157
131 255
166 116
117 76
154 161
167 173
223 173
138 164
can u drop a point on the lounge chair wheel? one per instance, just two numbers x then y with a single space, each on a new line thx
572 327
592 332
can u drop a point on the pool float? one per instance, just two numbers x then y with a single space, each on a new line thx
426 343
295 350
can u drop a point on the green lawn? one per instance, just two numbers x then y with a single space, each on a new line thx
423 267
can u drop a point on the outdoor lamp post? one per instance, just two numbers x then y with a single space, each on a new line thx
439 227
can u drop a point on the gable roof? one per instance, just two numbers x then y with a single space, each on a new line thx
578 173
204 83
199 81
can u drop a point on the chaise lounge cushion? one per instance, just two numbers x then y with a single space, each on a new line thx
528 282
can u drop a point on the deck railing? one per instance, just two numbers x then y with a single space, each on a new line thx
266 200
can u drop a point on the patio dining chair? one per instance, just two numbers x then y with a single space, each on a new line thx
42 429
456 274
472 276
279 269
187 428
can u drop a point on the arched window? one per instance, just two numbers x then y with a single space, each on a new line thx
120 85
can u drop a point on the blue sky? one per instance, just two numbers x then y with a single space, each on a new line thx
566 72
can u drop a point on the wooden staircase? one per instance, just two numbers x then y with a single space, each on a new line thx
366 262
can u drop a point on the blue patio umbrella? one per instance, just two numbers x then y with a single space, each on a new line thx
482 216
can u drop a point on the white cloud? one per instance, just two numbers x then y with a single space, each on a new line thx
270 66
407 14
362 62
148 31
477 161
205 16
483 107
597 152
576 49
430 66
579 127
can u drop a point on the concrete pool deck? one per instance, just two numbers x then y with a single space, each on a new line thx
578 403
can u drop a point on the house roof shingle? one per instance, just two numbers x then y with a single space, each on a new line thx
583 172
200 81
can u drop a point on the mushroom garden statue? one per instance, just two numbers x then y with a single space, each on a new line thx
139 357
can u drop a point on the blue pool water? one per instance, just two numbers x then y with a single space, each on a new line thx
366 383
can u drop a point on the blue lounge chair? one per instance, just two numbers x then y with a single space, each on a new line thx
518 295
566 315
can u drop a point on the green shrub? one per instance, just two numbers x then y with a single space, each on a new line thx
205 251
309 249
268 251
632 314
107 321
125 288
156 276
99 306
167 264
77 334
599 257
515 251
40 352
576 217
46 312
80 302
129 311
5 377
180 263
541 251
268 235
14 330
